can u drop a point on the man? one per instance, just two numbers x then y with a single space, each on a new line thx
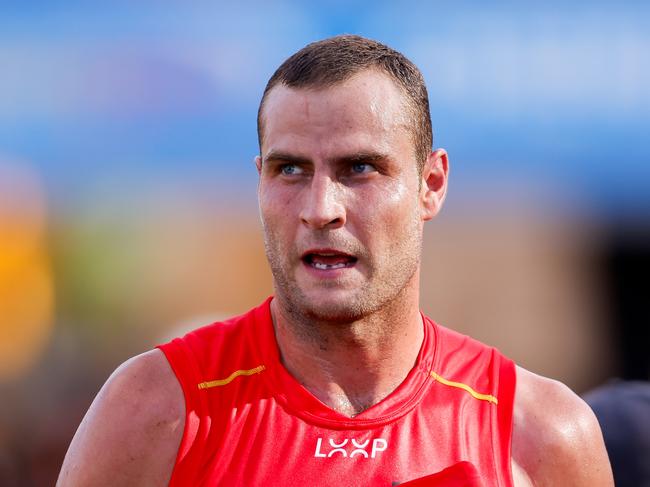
338 379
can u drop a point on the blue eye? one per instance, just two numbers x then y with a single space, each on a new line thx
290 169
362 167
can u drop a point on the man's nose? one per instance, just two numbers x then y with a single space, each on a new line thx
323 206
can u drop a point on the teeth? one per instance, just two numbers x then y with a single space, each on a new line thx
324 267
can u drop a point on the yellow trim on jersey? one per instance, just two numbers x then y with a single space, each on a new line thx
460 385
231 377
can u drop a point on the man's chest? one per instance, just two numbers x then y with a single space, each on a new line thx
264 444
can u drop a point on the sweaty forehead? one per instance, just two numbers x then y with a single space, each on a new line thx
369 108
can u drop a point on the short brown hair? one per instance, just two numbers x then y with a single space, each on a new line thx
330 61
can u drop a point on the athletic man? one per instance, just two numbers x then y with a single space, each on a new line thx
338 379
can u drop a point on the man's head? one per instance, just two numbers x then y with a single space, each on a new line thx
331 61
343 195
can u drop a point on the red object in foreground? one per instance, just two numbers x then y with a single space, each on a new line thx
463 474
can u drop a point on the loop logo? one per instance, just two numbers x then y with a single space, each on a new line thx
350 447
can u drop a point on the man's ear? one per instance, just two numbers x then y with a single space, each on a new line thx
434 183
258 164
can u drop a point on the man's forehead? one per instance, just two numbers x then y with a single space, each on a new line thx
369 81
369 99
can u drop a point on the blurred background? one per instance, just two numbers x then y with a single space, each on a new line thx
128 210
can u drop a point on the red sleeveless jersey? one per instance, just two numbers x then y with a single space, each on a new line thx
249 422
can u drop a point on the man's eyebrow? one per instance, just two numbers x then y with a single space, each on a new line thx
359 157
284 157
354 158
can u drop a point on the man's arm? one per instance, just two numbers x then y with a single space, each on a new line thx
556 437
132 431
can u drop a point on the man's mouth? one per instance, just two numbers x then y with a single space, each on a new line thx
328 259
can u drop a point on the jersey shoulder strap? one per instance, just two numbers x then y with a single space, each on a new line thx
211 364
490 377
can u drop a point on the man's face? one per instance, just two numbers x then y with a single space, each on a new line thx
340 197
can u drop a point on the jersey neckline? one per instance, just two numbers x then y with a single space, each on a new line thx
296 399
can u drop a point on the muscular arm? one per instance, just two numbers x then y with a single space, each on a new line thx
556 437
132 431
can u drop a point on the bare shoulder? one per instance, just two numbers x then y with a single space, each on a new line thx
132 431
556 437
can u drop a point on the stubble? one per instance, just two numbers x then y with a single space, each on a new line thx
381 298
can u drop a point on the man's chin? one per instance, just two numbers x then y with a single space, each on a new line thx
340 308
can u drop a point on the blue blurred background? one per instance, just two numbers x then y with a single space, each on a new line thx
127 189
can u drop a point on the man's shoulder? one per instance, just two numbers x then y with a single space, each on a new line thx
132 431
556 436
146 377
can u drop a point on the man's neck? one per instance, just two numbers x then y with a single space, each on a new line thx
351 367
